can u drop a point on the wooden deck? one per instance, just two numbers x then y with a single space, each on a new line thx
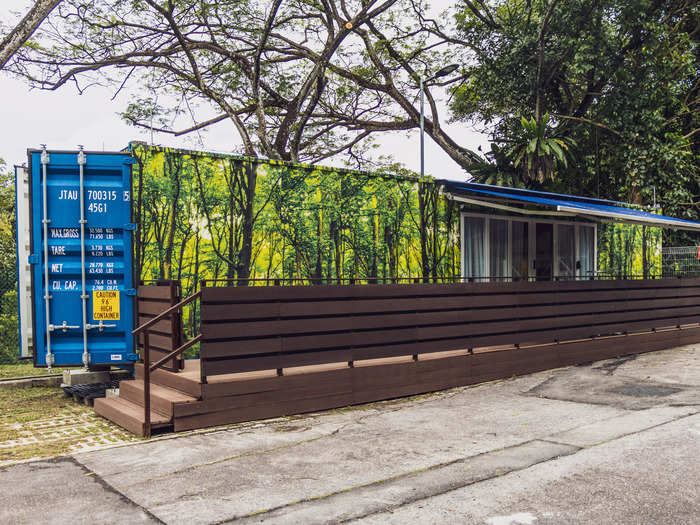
179 401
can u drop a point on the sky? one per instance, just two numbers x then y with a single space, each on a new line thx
64 119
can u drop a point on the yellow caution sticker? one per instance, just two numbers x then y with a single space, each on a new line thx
105 305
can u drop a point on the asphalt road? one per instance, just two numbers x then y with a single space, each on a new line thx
614 442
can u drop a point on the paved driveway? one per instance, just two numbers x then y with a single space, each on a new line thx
613 442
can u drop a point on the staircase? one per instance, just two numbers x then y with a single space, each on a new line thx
167 390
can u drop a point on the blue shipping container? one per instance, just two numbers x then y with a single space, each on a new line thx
91 327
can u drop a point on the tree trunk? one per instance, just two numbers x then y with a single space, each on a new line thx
645 253
434 263
425 263
374 268
335 235
193 310
391 250
246 251
174 205
25 29
231 266
318 270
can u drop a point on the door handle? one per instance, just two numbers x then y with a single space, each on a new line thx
100 326
63 326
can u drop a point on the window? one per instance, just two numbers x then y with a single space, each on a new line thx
586 251
498 249
566 252
503 248
544 251
519 253
474 248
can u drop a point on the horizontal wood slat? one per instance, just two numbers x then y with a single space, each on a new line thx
153 308
233 401
435 325
164 335
257 328
154 292
354 306
255 294
164 326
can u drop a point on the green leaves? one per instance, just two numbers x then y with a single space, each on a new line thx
536 151
620 80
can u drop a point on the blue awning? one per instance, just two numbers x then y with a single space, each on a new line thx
590 208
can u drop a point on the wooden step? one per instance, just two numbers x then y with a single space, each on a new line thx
186 381
128 415
162 397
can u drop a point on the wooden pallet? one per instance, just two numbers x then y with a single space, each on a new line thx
86 394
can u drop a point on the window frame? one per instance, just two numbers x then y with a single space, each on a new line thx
531 242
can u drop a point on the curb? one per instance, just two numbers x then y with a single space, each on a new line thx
30 382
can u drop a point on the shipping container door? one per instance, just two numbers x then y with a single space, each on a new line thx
60 245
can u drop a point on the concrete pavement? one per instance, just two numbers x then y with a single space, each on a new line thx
612 442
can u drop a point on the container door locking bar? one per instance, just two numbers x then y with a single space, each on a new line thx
100 326
45 221
63 326
83 296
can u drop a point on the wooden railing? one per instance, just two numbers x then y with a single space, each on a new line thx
265 328
143 331
166 335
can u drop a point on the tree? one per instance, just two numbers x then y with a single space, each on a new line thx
535 152
619 79
24 30
299 80
8 268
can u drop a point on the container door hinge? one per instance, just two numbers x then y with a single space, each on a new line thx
130 226
129 160
130 291
34 258
132 357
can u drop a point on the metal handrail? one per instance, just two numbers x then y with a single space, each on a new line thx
179 350
167 312
369 280
148 367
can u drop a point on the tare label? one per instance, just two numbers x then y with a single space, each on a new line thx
105 305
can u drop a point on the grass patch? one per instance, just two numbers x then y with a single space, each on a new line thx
23 405
43 422
39 450
26 370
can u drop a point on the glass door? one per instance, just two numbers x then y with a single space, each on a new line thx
498 249
566 251
473 263
519 251
586 251
544 251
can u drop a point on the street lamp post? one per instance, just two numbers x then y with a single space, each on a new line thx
441 73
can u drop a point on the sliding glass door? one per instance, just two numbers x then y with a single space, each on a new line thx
499 248
566 251
586 251
544 251
473 241
520 250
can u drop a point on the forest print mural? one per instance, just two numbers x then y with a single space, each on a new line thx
257 221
